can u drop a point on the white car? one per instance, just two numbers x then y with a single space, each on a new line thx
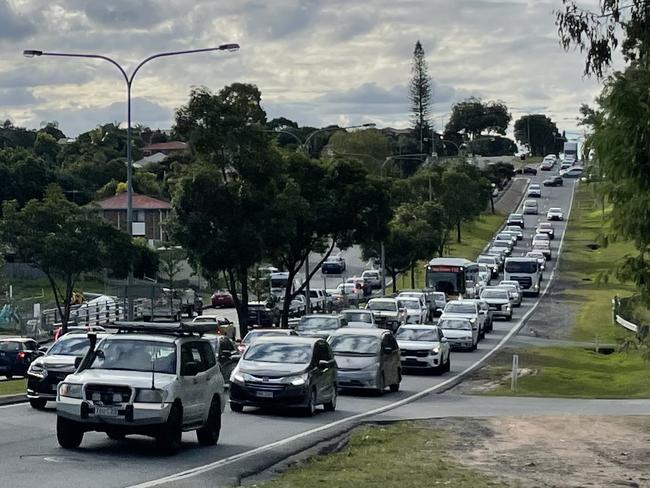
530 207
374 277
555 213
499 301
461 332
534 191
539 256
361 319
540 238
414 294
512 286
572 172
516 230
423 347
157 380
545 228
387 313
415 312
544 247
465 308
221 325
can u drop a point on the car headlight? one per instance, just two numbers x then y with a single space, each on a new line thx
298 380
147 395
37 369
508 307
435 350
472 321
237 377
467 338
71 390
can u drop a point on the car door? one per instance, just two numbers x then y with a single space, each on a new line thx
329 373
324 379
390 359
226 360
193 385
209 379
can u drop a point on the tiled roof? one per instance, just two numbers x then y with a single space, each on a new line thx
166 146
140 202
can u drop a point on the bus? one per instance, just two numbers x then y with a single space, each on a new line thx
456 277
527 271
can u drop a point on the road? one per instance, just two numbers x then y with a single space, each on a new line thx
30 456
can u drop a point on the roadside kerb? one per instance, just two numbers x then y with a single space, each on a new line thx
361 416
13 399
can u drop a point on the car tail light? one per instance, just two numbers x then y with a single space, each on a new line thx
21 355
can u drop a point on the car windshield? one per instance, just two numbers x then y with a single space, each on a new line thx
454 324
382 306
318 323
256 334
542 237
425 335
521 266
70 347
358 317
460 308
501 294
409 303
355 344
555 210
516 217
504 237
135 355
487 260
438 295
271 352
9 346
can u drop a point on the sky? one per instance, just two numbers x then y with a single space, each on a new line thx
317 62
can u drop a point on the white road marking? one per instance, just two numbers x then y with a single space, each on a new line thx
282 442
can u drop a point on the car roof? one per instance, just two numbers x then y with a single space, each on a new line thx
449 262
385 299
16 339
356 310
290 339
148 337
360 332
522 259
320 316
419 326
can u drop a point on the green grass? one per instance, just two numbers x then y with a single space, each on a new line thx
574 373
404 455
13 387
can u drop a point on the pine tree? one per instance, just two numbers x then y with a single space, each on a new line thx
420 95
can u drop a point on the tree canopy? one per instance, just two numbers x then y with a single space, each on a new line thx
540 134
473 117
421 97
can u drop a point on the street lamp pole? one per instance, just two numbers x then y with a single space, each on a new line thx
30 53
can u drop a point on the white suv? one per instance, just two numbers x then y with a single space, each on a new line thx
156 380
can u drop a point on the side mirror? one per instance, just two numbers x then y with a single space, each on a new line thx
43 349
191 368
443 340
324 364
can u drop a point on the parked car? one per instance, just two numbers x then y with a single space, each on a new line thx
499 301
333 265
221 325
289 372
366 358
255 334
359 318
320 325
553 181
460 332
415 312
374 276
388 314
423 347
516 220
555 213
262 314
226 352
222 299
531 207
545 228
16 354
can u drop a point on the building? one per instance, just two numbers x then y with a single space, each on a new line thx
149 214
166 148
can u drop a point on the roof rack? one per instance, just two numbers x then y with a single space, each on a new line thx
171 328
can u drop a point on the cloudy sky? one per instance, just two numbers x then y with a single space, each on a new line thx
316 61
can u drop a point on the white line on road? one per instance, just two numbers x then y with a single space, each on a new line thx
247 454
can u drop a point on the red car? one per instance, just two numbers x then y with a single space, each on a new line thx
222 298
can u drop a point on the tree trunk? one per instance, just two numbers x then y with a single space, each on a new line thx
413 277
288 296
393 274
243 325
240 305
458 232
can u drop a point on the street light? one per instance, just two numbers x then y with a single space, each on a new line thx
30 53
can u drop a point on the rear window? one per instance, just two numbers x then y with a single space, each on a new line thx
9 346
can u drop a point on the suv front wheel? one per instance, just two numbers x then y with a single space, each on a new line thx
208 435
171 432
69 433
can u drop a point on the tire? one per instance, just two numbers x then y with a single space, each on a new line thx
310 409
37 403
509 319
236 407
474 346
169 437
208 435
69 433
382 385
331 405
448 365
115 436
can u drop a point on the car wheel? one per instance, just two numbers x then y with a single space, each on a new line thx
509 317
208 435
474 346
448 365
331 405
38 403
395 387
236 407
169 437
69 433
310 409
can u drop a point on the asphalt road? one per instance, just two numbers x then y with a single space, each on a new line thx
30 455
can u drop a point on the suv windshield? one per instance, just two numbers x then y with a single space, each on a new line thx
409 303
256 334
135 355
355 344
358 317
70 347
428 335
383 306
317 323
269 352
460 308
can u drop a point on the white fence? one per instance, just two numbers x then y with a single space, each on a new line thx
616 303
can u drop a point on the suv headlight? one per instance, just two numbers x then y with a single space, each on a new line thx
71 390
435 350
37 369
297 380
147 395
508 307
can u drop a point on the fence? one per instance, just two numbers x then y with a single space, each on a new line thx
89 314
621 306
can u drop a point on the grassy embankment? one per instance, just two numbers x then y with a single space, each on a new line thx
404 455
576 371
13 387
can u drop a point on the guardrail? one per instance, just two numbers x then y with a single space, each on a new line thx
104 313
618 319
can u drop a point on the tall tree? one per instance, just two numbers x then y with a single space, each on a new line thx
64 241
539 133
420 95
473 116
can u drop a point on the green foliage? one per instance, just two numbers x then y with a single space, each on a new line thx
370 146
493 146
23 175
473 117
46 146
147 183
146 261
63 241
540 134
421 97
16 137
170 263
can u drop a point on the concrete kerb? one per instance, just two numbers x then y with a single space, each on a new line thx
13 399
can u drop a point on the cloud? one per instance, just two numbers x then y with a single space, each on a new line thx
17 97
12 25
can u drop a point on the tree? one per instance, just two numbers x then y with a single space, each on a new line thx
369 146
473 116
539 133
23 176
46 146
420 95
171 260
64 241
493 146
146 260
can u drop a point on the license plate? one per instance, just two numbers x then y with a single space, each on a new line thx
106 411
264 394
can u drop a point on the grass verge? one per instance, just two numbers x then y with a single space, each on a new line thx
13 387
404 455
571 372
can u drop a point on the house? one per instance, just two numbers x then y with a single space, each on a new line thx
149 214
154 158
166 148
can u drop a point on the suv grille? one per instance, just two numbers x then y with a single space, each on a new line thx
108 394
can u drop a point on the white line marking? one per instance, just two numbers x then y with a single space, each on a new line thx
243 455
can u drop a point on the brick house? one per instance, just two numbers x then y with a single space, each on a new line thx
149 214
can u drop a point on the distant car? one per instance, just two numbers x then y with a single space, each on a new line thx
554 181
221 325
513 286
255 334
534 191
546 166
517 230
531 207
506 237
374 276
572 172
16 354
320 325
465 309
424 347
351 292
491 262
222 299
388 314
261 314
498 300
440 300
555 213
516 220
539 256
544 247
506 247
541 237
545 228
359 318
226 353
362 284
416 313
527 170
366 358
333 265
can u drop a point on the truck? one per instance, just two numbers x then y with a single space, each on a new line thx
526 271
571 150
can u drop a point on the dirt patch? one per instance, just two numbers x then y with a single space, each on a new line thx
565 451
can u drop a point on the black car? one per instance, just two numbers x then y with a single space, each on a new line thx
226 352
555 181
516 219
16 354
46 372
526 170
291 372
333 265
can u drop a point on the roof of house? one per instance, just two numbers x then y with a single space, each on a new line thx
166 146
140 202
154 158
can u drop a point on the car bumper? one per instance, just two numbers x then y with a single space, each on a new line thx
461 344
290 396
44 387
134 415
419 362
356 379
